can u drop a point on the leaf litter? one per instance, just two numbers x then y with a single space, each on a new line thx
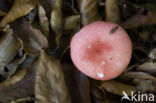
35 64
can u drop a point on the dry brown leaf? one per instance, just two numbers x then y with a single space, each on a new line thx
19 86
112 11
31 15
117 87
44 22
144 35
135 21
78 84
56 20
2 13
9 46
139 20
89 11
50 86
23 100
19 8
14 64
14 79
97 93
33 39
127 9
151 17
135 77
152 53
148 67
71 22
147 86
47 5
68 9
9 69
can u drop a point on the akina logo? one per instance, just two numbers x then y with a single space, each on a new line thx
137 97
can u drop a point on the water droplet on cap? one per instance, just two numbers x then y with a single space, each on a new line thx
100 75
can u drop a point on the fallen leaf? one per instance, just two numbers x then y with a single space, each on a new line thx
147 86
148 67
117 87
50 86
19 86
19 8
56 20
128 9
139 20
2 13
14 79
9 46
44 23
152 53
96 92
47 5
31 15
78 84
21 100
89 11
33 39
135 77
69 10
10 68
112 11
71 22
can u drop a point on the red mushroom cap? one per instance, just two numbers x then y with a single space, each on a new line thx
101 50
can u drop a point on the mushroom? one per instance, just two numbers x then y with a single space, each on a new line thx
101 50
